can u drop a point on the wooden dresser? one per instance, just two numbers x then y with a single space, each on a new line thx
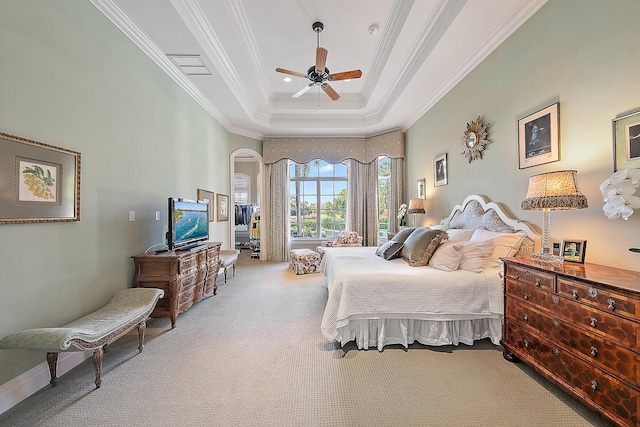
185 276
579 326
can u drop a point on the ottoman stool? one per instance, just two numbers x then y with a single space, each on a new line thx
229 259
304 261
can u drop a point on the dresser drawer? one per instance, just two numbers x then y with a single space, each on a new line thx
580 377
528 293
593 320
188 264
213 253
187 282
599 350
531 276
603 299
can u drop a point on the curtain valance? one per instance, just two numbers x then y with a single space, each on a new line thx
304 150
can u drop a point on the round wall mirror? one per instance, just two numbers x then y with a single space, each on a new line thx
474 140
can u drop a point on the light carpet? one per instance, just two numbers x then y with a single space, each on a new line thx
254 356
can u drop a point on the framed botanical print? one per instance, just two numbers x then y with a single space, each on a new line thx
222 203
626 141
440 175
209 197
538 137
38 182
421 193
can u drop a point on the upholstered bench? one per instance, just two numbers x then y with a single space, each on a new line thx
126 310
229 259
304 261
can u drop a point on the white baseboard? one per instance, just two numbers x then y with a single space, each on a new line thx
23 386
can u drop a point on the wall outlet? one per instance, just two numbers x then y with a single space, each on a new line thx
132 215
157 215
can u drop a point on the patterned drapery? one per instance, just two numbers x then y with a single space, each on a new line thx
362 209
397 193
276 213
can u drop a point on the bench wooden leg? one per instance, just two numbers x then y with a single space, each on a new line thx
142 326
52 360
97 365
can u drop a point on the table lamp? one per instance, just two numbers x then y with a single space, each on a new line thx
416 206
552 191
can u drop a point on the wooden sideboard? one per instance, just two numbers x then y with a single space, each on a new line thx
579 326
185 277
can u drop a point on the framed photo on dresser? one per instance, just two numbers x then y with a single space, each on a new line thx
574 250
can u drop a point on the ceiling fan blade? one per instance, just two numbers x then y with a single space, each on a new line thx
321 59
293 73
302 91
353 74
329 91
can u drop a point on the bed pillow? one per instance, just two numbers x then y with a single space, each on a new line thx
420 246
402 235
390 250
459 234
504 244
475 255
447 257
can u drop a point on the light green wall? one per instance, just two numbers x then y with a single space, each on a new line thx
581 53
69 78
238 141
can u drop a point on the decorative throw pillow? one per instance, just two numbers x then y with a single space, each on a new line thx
504 244
420 246
390 250
475 255
447 257
402 235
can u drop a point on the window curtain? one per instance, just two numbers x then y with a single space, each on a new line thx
275 229
362 209
396 197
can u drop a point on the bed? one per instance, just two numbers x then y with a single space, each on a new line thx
377 302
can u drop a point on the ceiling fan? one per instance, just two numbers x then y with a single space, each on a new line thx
318 73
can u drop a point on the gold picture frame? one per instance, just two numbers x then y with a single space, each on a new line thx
574 250
538 137
222 204
208 196
38 182
626 141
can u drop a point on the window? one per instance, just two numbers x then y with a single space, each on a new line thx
318 199
384 187
241 189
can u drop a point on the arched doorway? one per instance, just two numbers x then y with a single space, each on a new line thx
246 164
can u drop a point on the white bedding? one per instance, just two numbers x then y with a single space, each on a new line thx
377 302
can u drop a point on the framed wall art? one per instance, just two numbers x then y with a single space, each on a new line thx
209 197
538 137
574 250
421 193
626 141
440 175
38 182
222 203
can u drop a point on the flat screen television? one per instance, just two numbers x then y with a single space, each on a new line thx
188 223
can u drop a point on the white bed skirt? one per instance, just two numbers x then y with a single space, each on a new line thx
380 332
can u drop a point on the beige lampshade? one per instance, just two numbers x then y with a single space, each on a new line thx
554 190
416 206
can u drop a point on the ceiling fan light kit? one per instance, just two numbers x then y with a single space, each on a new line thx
319 74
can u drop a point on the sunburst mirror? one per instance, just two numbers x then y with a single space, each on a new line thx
474 140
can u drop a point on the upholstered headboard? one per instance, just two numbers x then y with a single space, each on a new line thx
477 211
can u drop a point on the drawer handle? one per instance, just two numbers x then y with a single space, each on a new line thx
575 293
517 275
556 323
556 299
612 304
594 351
526 296
526 317
526 343
594 321
527 274
538 282
593 292
594 385
556 351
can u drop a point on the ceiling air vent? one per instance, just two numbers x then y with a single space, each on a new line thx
191 65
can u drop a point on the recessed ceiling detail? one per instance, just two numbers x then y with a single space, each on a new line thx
421 50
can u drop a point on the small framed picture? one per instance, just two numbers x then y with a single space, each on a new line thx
222 202
209 197
538 141
440 170
626 141
555 248
574 250
421 183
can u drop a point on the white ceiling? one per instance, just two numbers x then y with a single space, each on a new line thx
423 48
